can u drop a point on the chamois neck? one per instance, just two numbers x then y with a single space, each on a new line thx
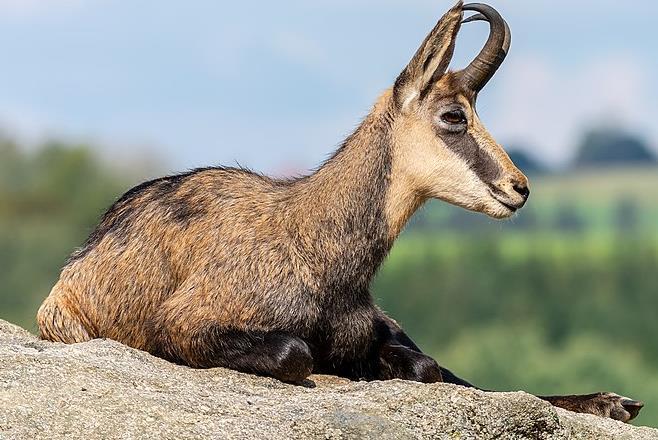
348 207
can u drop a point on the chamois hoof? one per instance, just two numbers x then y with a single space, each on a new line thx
608 405
618 407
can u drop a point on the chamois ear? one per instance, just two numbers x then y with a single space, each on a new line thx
431 60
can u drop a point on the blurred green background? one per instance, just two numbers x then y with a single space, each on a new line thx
561 299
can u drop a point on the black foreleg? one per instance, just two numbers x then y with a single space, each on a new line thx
398 349
402 359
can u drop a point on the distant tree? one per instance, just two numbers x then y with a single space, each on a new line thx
526 162
51 196
11 162
604 146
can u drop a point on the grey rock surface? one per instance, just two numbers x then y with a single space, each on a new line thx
105 390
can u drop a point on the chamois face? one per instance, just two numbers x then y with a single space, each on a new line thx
441 147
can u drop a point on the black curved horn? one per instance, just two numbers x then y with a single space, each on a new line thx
485 65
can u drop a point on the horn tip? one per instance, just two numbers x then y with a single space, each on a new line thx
476 17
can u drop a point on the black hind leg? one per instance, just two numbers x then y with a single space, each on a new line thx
276 354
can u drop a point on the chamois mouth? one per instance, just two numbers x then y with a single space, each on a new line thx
507 206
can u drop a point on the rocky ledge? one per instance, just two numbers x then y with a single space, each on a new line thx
102 390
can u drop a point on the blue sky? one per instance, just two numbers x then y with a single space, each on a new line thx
277 85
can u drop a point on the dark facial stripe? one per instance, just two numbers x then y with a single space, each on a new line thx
479 160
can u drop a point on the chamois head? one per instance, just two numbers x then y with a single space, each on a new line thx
442 149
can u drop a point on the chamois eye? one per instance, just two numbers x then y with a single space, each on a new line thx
454 117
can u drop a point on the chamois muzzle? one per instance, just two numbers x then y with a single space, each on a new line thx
485 65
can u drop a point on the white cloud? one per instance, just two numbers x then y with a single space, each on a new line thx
547 107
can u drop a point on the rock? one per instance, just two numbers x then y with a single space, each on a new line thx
102 389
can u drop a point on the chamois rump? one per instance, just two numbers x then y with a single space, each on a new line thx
223 267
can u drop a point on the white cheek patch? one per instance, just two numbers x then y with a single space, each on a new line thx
454 179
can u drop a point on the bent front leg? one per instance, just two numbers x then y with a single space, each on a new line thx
608 405
401 358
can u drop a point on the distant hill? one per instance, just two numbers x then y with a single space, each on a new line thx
606 147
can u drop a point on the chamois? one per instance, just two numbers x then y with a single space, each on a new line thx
223 267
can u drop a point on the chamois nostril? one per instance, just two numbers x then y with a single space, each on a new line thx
523 190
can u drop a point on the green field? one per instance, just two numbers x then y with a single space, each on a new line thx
598 195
